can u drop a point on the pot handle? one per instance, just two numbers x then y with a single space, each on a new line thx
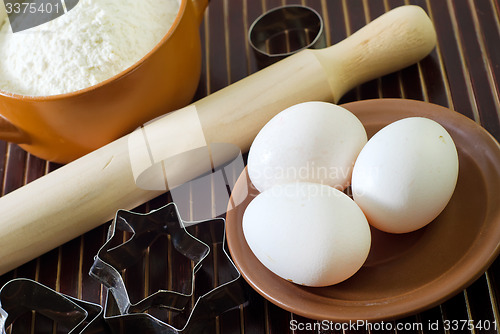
199 8
11 133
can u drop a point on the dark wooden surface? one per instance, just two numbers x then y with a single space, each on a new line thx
462 73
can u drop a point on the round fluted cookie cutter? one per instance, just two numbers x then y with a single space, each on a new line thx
285 30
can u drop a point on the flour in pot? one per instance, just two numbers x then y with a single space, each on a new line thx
89 44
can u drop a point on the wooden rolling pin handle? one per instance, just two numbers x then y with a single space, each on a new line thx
395 40
87 192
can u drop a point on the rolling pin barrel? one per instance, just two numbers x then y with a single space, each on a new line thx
87 192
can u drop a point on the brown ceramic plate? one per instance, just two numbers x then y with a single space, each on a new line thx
404 274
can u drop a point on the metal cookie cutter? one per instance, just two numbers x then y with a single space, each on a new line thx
285 30
123 316
21 296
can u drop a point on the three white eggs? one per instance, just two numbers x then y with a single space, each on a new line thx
302 227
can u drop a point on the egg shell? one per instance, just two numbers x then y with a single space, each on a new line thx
310 142
307 233
405 175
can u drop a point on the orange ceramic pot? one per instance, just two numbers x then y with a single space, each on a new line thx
64 127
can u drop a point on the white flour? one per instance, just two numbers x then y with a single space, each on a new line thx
92 42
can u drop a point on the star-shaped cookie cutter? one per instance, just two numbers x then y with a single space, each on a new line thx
111 260
122 316
20 296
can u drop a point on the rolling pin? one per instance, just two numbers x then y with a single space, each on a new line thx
87 192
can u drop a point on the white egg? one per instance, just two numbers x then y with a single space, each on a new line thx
312 142
307 233
405 175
